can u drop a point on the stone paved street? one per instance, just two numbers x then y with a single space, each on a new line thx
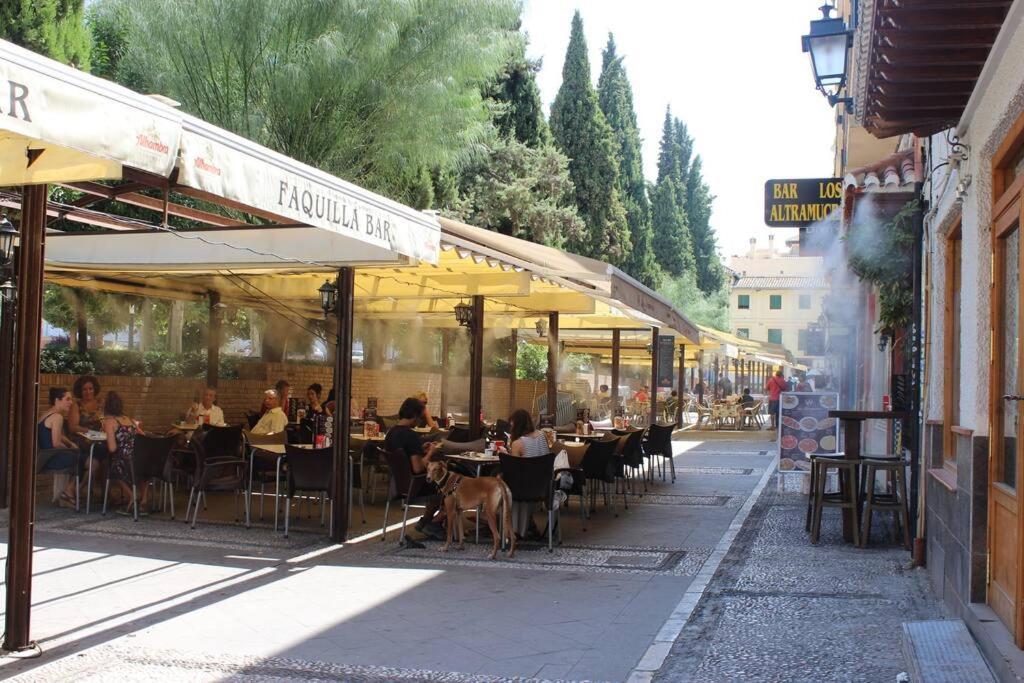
117 600
780 609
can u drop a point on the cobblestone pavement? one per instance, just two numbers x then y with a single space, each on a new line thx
780 609
120 600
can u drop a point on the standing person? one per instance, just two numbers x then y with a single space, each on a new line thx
55 450
85 409
525 441
802 384
402 438
776 385
121 433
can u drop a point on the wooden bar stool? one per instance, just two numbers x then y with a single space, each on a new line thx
812 488
846 499
894 499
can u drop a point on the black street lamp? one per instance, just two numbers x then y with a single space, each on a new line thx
464 314
828 43
8 238
328 297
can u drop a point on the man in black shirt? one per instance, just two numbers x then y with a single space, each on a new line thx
401 437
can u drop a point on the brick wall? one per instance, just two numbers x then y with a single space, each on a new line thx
159 401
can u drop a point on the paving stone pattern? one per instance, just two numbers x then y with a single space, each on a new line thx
781 609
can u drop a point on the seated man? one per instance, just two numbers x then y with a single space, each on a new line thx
403 438
747 400
205 411
274 420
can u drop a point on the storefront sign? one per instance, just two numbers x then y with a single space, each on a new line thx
666 360
805 427
800 202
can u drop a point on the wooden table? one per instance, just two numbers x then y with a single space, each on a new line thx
852 421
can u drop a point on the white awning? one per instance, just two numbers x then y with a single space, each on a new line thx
59 123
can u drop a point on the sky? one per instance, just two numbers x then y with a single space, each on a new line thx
732 70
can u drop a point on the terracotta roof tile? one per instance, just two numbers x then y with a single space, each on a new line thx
781 282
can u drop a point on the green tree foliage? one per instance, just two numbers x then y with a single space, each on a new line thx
519 113
582 133
711 309
371 92
54 28
520 191
672 234
615 96
710 274
882 255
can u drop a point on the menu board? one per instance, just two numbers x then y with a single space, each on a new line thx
583 414
547 421
804 425
666 358
371 408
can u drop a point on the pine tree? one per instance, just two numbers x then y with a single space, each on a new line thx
520 114
672 241
615 96
54 28
710 276
582 133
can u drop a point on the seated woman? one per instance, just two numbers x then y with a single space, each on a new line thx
427 420
526 441
121 433
56 451
313 393
85 409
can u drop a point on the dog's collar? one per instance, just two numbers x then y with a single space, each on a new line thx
449 484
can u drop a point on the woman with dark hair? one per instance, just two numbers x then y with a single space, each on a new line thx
313 393
121 433
56 451
85 412
526 441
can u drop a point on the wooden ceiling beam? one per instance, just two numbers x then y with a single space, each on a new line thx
929 40
100 192
922 74
942 18
944 88
975 57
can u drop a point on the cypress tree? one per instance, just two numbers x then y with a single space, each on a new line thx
668 154
615 95
672 234
710 276
582 133
520 113
683 149
54 28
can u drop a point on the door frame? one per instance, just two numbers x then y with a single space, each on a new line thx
1007 209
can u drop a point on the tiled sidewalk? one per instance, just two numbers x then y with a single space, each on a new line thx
153 600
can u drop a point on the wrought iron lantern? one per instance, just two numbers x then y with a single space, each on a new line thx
328 297
883 341
464 314
828 44
8 292
8 238
542 328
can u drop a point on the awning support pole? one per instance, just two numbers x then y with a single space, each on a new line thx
476 369
7 350
512 369
26 398
213 339
446 350
342 406
681 389
553 360
700 376
654 375
616 339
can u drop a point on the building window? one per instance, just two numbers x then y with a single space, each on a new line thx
743 332
774 336
775 302
951 331
805 302
801 340
743 301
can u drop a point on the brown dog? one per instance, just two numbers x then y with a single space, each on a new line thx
466 493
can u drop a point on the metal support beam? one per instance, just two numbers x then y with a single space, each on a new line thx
446 352
343 400
654 375
553 360
476 369
700 376
512 369
213 339
616 348
26 398
681 389
7 350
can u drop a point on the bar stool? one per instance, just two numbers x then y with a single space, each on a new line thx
812 487
895 499
845 499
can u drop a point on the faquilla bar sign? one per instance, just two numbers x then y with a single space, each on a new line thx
800 202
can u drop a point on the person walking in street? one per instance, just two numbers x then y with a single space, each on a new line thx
776 385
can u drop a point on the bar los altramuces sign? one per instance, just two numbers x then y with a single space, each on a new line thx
800 202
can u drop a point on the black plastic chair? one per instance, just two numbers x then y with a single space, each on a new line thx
630 461
405 487
252 419
150 462
598 469
531 480
459 434
310 470
659 443
217 471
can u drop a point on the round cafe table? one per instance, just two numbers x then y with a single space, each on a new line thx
593 436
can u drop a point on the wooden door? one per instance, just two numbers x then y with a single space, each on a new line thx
1005 462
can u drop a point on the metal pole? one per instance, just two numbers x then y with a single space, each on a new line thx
654 375
213 334
26 393
343 401
81 326
913 439
7 350
681 389
512 369
476 368
616 335
553 360
700 376
446 350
